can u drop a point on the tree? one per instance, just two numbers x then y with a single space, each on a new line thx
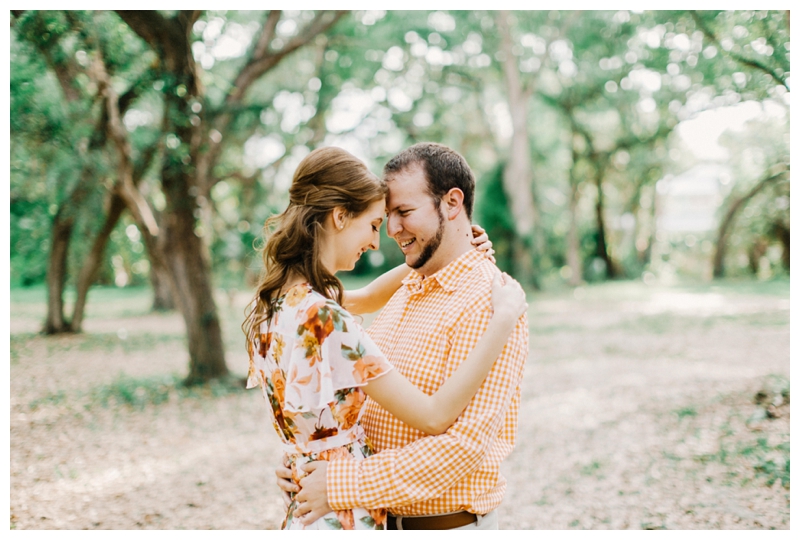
192 147
89 54
49 33
776 174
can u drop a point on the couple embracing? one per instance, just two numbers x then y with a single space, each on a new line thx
403 426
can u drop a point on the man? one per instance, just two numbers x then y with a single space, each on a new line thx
426 330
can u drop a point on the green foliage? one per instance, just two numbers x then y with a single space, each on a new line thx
756 234
493 213
606 90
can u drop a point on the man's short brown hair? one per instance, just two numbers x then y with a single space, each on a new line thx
444 169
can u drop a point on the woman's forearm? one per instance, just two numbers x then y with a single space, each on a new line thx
456 392
374 296
433 414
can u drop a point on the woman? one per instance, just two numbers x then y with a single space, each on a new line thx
314 362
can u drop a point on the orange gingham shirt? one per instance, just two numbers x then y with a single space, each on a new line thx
426 330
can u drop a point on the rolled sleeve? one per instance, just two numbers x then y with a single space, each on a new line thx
431 465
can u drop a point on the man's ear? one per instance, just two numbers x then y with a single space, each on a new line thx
453 203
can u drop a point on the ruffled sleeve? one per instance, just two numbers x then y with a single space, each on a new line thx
257 351
332 352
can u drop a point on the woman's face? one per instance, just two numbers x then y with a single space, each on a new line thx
359 234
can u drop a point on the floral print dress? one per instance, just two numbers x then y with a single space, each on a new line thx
310 359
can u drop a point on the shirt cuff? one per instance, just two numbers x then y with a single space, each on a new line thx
342 481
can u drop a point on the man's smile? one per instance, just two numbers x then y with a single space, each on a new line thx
406 243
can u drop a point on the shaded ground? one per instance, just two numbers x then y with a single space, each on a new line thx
638 411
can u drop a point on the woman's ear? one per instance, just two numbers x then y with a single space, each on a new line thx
339 216
453 203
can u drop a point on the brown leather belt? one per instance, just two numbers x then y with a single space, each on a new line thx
432 523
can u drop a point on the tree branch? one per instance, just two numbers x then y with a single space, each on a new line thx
257 66
150 25
750 62
125 182
267 34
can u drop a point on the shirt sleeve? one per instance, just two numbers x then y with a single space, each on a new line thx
431 465
332 352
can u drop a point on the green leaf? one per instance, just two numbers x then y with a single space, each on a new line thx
369 522
352 354
333 523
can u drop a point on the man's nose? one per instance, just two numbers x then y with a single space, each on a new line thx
393 226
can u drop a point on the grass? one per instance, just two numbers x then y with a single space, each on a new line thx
778 286
768 457
140 392
683 412
101 301
106 342
770 462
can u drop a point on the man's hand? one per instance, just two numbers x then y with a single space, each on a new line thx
313 496
284 482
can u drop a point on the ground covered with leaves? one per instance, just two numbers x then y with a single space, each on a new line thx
643 407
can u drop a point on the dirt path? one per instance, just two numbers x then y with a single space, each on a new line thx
637 412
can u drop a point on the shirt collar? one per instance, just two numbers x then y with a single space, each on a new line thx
448 277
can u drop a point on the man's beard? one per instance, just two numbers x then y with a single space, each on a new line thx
431 247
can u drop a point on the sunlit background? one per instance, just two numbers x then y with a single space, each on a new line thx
663 119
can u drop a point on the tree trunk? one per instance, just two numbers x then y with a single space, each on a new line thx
602 243
728 221
518 174
523 261
754 254
93 260
191 277
57 274
189 268
573 243
162 291
63 224
782 232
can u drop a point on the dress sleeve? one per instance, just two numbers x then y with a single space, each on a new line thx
332 352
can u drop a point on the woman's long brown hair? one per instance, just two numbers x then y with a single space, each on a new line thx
326 178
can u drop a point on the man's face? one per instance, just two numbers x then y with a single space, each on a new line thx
415 220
